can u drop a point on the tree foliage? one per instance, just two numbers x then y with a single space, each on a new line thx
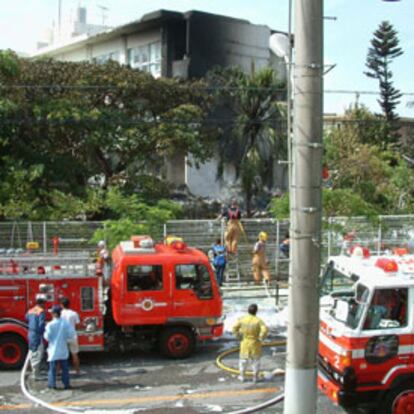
379 177
339 202
253 133
68 129
130 216
383 50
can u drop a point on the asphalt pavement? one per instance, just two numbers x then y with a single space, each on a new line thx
146 382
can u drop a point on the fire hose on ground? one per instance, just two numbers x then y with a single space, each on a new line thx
36 400
275 400
219 363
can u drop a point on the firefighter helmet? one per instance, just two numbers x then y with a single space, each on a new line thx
263 236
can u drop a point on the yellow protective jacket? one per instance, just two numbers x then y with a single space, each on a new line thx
251 330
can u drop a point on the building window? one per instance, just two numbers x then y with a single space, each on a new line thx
146 58
101 59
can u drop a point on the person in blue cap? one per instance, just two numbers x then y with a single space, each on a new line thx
59 333
36 323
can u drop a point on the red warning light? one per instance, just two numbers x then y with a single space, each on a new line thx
387 265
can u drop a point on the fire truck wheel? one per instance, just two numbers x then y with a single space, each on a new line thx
13 351
399 400
177 342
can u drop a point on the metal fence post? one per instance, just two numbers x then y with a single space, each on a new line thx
277 261
44 238
379 236
165 231
277 248
329 236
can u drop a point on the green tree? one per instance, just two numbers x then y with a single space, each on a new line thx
379 177
80 124
383 50
253 126
339 202
131 217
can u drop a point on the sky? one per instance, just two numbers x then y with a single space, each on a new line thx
346 38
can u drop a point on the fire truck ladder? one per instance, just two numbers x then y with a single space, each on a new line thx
233 269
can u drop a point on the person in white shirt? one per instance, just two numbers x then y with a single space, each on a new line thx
73 318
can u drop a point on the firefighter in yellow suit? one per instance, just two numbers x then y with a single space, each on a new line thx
234 227
260 265
252 331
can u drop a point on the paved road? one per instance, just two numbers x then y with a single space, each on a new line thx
132 383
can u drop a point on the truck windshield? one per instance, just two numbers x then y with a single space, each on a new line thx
336 283
357 306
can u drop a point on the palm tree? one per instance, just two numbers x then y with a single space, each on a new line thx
253 129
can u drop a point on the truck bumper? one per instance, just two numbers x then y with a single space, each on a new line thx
328 387
346 398
210 332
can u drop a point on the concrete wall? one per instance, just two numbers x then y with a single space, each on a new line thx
218 40
139 39
104 48
77 55
175 169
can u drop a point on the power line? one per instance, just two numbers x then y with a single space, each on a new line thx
345 91
126 87
115 123
204 88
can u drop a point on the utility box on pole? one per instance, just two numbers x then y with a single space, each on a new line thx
306 210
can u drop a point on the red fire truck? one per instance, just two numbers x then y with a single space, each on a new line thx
164 295
366 338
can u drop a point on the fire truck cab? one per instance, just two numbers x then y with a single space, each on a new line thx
157 295
366 338
165 293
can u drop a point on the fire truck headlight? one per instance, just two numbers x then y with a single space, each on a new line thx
346 359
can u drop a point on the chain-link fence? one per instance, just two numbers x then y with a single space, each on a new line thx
379 234
72 235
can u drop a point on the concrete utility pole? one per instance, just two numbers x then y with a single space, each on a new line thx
305 215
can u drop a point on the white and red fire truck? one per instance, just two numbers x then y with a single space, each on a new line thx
158 294
366 338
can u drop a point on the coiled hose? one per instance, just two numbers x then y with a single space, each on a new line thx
275 400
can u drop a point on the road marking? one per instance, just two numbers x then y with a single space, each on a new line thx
138 400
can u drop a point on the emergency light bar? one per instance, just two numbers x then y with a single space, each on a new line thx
400 251
142 242
387 265
179 245
360 252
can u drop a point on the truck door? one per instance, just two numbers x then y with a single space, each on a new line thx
146 294
387 333
193 293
